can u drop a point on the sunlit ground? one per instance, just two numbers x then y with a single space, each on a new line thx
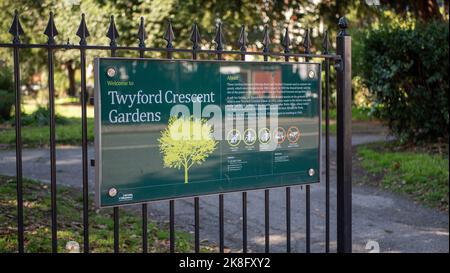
67 107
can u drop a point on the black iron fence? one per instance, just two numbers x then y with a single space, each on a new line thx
341 60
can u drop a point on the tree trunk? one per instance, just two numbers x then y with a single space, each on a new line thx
424 10
428 10
186 177
71 75
446 8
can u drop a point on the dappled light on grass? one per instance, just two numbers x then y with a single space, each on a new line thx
422 175
37 222
34 135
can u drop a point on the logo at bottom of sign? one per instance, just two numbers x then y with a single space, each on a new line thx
125 197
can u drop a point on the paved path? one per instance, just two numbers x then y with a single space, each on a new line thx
394 221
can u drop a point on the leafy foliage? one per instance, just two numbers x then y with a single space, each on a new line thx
6 93
406 71
186 142
41 117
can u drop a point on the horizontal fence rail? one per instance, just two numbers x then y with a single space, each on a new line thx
285 54
158 49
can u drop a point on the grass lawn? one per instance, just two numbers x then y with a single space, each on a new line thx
33 135
360 117
67 107
418 172
68 132
358 114
37 219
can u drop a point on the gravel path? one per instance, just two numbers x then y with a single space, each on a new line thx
395 222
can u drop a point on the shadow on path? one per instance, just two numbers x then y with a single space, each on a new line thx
395 222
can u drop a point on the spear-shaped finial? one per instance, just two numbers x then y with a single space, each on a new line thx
243 39
16 28
343 24
326 42
307 41
218 39
142 35
266 39
195 36
83 31
112 32
169 36
51 31
286 41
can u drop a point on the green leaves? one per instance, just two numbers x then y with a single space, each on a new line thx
7 97
186 142
406 72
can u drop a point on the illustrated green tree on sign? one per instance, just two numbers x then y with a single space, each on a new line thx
186 142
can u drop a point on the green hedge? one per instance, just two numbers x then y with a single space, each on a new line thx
406 72
6 93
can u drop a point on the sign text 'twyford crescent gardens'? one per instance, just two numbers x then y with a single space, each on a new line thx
167 129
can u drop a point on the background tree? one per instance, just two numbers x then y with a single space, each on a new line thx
186 142
424 10
32 60
296 15
67 21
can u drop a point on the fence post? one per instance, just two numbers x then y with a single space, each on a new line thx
344 140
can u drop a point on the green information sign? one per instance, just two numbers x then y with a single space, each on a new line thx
168 129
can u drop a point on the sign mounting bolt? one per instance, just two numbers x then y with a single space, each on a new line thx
111 72
112 192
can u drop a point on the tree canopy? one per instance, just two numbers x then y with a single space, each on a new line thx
186 142
297 16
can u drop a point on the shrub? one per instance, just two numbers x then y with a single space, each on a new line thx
41 117
7 98
6 103
406 72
